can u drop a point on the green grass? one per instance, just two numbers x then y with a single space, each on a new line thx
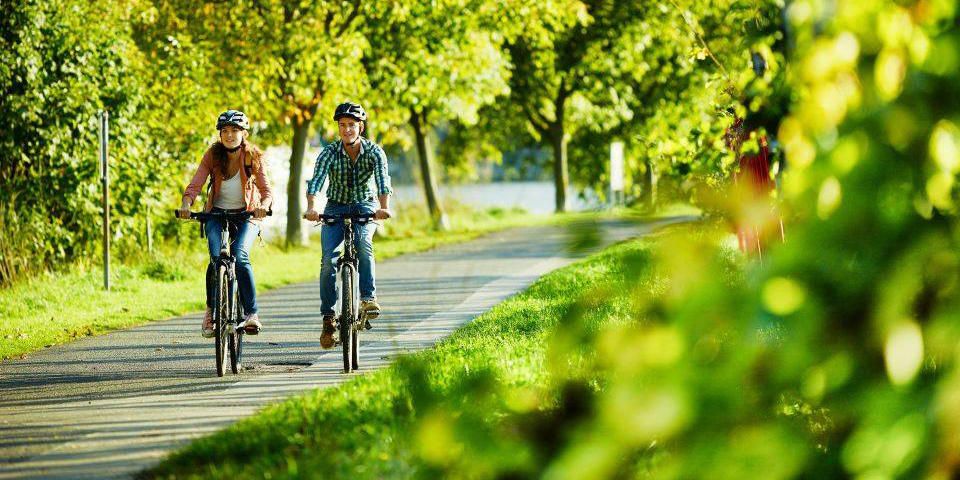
59 307
402 421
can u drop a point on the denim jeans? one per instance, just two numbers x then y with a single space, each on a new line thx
331 238
241 241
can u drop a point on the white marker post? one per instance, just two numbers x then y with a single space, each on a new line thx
616 173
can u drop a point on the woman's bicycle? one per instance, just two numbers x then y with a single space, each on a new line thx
227 314
351 320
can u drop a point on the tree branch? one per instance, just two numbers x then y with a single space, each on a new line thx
540 124
350 19
703 43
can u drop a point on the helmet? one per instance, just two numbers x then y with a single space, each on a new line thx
352 110
235 118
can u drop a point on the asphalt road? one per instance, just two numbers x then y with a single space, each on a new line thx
111 405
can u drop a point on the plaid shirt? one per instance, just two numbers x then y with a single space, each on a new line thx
349 181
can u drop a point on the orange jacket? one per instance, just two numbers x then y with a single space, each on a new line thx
256 189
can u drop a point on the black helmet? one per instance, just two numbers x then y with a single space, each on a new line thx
233 117
350 109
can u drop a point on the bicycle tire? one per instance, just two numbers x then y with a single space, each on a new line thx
357 324
355 348
236 338
346 315
220 315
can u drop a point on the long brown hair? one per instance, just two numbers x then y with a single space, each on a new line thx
219 152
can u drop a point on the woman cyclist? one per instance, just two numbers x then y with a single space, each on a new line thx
238 183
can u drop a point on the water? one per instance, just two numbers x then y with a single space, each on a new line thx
534 197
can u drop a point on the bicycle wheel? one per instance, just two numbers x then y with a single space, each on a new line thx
347 300
221 313
236 337
357 324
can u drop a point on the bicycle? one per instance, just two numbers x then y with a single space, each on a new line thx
351 321
227 314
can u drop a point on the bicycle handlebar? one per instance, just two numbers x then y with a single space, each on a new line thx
351 216
202 216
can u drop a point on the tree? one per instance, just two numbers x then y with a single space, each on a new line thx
62 62
669 80
292 55
552 67
435 62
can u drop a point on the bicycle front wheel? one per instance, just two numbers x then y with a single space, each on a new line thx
221 314
236 336
347 317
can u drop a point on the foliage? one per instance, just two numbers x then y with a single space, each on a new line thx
433 62
58 71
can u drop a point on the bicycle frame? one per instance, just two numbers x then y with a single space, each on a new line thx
351 321
226 308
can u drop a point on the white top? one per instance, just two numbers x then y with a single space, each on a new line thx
231 194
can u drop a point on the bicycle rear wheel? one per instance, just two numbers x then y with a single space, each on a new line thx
347 316
221 313
236 337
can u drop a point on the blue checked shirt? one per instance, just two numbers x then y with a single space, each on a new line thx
350 182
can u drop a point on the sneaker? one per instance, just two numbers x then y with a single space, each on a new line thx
326 338
370 307
251 324
207 328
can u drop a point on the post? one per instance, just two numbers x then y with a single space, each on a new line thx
616 173
105 185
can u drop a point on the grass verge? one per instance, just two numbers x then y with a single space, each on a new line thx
408 419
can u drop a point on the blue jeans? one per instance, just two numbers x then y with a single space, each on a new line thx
241 241
331 238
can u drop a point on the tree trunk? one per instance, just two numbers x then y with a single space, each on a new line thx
649 186
426 171
301 127
560 178
558 137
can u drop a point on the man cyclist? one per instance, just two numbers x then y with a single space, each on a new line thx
349 163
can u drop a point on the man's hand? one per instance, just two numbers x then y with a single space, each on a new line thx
259 212
183 213
382 214
312 215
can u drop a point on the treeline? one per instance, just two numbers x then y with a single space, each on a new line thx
496 76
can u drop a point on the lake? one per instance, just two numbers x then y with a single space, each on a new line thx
534 197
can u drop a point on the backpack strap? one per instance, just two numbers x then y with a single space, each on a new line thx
248 166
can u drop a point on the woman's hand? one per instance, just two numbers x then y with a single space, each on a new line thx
382 214
259 213
312 215
183 212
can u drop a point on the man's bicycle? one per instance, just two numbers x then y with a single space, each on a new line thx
351 320
227 314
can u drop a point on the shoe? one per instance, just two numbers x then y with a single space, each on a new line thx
207 328
370 308
326 338
251 324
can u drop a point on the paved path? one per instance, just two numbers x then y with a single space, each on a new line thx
112 405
